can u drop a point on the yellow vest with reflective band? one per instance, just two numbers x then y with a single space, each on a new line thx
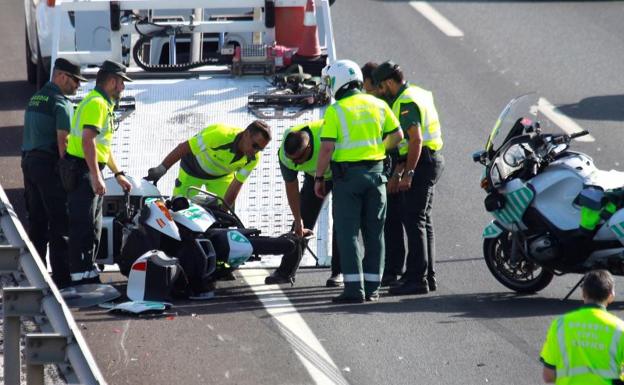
309 166
211 148
361 121
429 121
586 346
93 110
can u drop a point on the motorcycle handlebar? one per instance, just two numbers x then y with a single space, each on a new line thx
579 134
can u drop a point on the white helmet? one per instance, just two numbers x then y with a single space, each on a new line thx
341 73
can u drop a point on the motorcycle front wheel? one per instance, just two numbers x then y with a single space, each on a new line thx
523 277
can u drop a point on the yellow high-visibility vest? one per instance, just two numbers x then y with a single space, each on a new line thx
429 121
94 110
357 124
212 147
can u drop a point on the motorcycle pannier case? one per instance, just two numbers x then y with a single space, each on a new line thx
152 277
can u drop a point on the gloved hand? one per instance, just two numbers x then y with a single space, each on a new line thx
155 173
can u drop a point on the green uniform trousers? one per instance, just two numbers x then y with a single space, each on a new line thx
217 186
360 204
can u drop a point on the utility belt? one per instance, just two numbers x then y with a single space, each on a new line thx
339 169
40 154
70 168
427 155
82 163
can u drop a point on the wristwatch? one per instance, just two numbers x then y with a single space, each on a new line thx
319 179
119 173
409 173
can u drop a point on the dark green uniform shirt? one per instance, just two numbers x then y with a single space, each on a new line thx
48 111
409 116
410 113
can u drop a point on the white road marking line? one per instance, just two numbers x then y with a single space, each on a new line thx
436 18
565 123
293 327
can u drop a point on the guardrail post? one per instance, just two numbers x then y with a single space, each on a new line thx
17 302
42 349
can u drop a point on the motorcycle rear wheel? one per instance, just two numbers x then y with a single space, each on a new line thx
524 277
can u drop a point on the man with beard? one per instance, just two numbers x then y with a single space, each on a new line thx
89 148
46 125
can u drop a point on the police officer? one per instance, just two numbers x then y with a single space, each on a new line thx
423 166
353 138
46 125
89 148
586 346
299 152
393 167
221 157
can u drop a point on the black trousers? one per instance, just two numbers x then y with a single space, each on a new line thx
47 212
85 225
393 235
417 217
310 210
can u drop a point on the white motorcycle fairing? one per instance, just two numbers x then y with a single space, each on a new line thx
558 186
140 187
160 218
195 218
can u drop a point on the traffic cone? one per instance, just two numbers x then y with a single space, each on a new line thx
309 46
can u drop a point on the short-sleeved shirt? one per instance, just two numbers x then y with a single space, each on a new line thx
95 112
366 120
48 111
288 174
409 114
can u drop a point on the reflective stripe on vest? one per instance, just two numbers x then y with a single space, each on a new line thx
207 163
429 121
361 120
612 372
309 166
104 138
212 148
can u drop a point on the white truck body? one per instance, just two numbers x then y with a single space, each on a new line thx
172 107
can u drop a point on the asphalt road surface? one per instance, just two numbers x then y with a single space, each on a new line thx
472 330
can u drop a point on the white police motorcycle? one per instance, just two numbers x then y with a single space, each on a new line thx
554 211
207 240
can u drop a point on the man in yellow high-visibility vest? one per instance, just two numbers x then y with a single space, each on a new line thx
586 346
89 148
393 228
220 157
415 109
299 152
358 129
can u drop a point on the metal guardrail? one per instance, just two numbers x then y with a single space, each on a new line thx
60 341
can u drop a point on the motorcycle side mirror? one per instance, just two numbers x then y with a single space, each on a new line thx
479 156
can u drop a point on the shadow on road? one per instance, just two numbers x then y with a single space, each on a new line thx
14 94
11 141
606 107
236 296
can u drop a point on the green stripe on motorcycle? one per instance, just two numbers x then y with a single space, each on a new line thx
492 231
617 229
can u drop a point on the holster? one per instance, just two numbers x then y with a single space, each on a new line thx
68 171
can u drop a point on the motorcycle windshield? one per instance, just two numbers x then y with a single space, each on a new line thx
524 106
